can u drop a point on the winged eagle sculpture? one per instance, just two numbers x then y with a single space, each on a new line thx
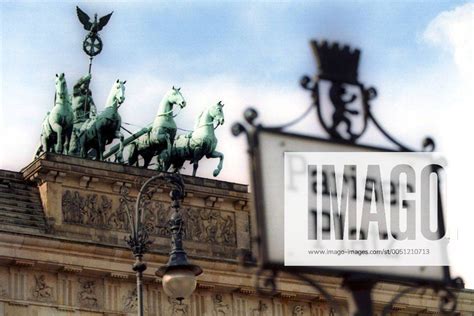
92 26
92 44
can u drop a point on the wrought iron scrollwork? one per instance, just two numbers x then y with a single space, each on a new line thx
342 115
266 285
339 67
332 302
250 116
336 82
269 282
447 299
139 240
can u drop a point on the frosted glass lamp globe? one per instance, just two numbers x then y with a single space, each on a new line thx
179 283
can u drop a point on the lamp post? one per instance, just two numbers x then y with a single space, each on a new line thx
179 276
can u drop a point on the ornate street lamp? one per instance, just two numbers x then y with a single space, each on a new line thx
179 276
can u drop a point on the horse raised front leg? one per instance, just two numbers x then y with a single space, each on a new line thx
216 154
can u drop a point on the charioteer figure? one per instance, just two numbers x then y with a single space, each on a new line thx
83 104
83 108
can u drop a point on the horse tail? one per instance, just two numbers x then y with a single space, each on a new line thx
46 127
39 151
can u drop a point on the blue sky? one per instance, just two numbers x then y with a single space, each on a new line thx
243 39
264 44
253 43
417 53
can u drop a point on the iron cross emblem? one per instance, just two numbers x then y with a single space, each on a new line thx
92 44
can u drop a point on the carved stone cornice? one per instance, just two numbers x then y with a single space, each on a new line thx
205 286
64 308
43 176
213 201
119 275
18 303
117 186
86 181
247 291
23 263
50 167
287 295
72 269
241 205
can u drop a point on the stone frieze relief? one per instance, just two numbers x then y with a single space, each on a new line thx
100 211
87 294
42 291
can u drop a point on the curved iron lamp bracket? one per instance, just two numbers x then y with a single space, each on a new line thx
139 240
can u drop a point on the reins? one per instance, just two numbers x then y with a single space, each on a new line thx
210 123
170 111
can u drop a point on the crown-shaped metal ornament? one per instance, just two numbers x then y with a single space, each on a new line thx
335 62
339 64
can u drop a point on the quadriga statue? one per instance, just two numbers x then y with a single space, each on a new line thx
57 125
100 130
201 142
158 139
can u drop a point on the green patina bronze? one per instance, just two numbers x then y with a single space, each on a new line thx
83 108
82 103
201 142
102 129
57 125
92 44
73 126
158 140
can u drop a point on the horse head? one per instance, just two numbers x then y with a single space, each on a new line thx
117 94
175 97
61 86
215 111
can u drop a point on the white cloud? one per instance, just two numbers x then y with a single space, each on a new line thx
452 31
